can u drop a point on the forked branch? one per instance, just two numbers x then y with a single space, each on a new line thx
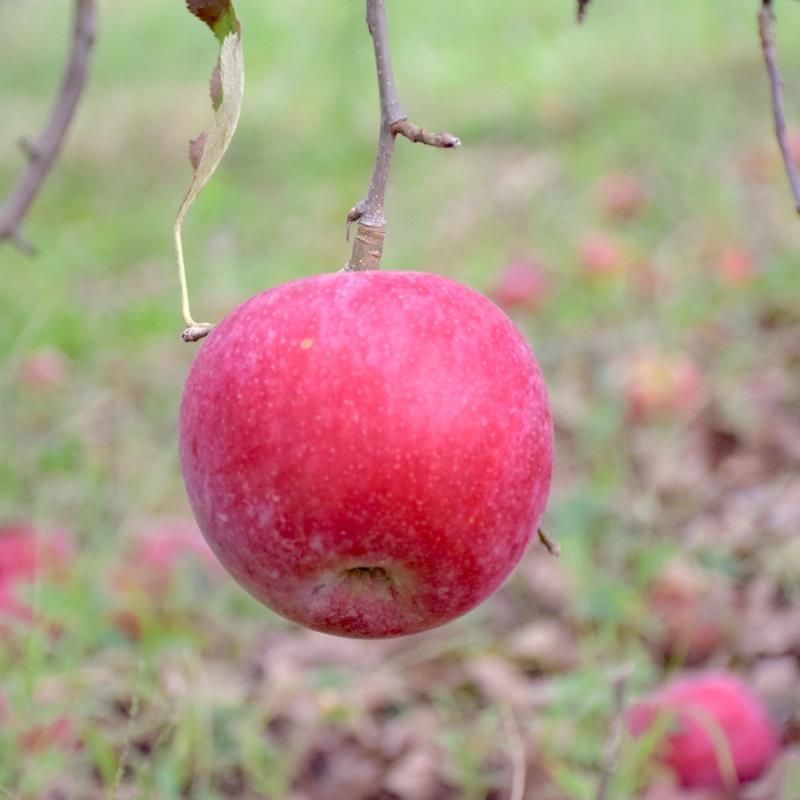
43 151
369 213
766 26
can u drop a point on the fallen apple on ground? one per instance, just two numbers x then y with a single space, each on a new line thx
658 384
718 732
367 453
521 284
27 554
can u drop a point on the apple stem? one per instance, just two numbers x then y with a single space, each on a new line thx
42 152
766 27
369 212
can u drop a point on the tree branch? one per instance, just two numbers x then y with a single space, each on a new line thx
583 5
43 151
369 213
766 27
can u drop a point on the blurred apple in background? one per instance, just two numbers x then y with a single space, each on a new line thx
603 256
718 733
59 734
692 611
735 265
623 195
161 546
26 555
521 285
368 453
658 384
46 368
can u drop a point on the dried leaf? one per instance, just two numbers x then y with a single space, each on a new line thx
219 15
227 90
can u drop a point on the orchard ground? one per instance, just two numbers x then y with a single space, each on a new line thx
632 162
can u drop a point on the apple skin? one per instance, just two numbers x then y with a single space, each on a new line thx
367 453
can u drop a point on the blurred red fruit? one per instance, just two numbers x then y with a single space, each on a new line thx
602 255
720 734
623 195
658 384
520 285
735 266
157 554
25 555
690 612
44 369
59 734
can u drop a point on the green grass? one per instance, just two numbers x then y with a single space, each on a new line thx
674 92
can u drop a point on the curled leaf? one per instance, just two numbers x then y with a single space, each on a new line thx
207 150
196 147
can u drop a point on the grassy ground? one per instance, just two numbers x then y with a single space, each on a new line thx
184 687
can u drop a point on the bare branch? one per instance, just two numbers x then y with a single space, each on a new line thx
611 755
369 213
414 133
43 151
766 26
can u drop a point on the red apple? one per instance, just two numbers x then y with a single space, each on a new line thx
735 265
692 611
368 453
522 284
44 369
658 384
603 256
59 734
623 195
721 733
162 545
25 554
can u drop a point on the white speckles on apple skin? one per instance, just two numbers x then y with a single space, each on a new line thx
412 434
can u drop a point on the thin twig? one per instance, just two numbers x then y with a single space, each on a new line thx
766 27
583 5
43 151
414 133
369 213
518 761
550 544
611 755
